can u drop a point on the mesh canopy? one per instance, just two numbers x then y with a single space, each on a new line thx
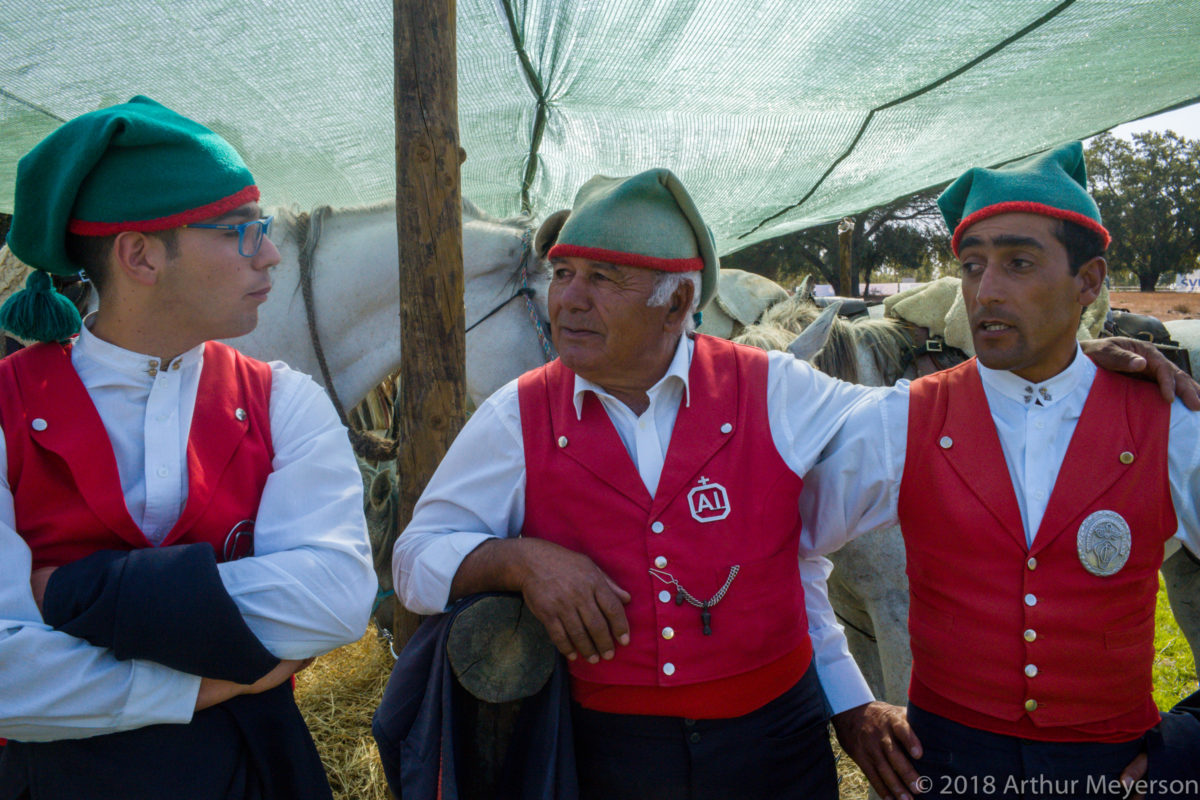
776 114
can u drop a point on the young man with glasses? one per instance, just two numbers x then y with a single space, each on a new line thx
181 527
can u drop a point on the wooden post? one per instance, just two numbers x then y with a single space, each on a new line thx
845 256
429 229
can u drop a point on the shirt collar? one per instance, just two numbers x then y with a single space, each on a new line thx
678 370
1047 393
136 366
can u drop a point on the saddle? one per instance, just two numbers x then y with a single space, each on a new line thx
1121 322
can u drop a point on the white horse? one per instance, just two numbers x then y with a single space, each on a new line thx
355 262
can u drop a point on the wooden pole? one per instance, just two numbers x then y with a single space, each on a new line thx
845 242
429 228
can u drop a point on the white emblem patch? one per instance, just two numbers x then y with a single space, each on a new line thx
1103 542
709 502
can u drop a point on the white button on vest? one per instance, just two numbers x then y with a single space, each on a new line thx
1031 563
657 527
1030 600
562 441
1031 670
726 428
668 668
38 424
660 562
945 442
240 414
664 596
1030 635
668 633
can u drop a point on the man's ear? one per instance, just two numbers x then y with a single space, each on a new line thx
139 257
1091 276
679 306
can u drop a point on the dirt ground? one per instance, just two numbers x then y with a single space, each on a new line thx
1164 305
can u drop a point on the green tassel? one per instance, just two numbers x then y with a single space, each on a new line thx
40 313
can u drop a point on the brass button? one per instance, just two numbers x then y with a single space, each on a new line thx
152 372
660 562
1031 563
1031 704
1030 670
1030 635
945 442
1127 457
562 441
668 632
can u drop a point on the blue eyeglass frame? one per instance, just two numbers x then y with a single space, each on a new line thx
264 222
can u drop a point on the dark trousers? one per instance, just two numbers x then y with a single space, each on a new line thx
778 752
964 762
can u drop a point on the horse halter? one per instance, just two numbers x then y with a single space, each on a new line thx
542 328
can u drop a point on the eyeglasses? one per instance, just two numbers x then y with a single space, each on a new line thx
250 234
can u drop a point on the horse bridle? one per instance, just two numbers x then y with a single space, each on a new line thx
368 444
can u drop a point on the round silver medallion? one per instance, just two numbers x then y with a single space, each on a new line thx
1103 541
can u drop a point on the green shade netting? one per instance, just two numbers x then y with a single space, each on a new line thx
776 115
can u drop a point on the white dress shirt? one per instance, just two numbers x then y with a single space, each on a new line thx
478 490
307 590
855 487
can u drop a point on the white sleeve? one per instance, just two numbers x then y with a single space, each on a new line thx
310 584
854 487
54 686
477 493
843 683
1183 469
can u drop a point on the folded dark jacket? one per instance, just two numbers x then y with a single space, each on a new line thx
1173 750
164 604
168 605
416 727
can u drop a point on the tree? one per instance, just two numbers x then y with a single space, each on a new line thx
904 236
1148 191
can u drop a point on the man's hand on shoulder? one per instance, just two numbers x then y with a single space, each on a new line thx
877 736
1122 354
581 607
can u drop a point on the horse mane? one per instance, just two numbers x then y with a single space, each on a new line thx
886 339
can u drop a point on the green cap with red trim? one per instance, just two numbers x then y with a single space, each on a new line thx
137 166
646 220
1053 183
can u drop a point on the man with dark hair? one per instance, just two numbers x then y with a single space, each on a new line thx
1035 494
181 527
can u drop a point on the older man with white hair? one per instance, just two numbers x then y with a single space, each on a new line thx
641 492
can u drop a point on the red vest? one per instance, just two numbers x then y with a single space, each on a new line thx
63 474
1025 641
725 498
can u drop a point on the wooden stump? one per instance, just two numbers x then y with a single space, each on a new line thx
499 650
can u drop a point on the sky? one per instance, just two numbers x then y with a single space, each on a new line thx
1185 122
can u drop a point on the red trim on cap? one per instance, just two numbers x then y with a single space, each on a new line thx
626 259
214 209
1027 207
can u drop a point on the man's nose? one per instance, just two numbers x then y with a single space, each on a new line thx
991 285
573 293
267 255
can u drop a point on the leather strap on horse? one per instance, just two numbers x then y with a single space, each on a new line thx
367 444
931 353
1148 329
